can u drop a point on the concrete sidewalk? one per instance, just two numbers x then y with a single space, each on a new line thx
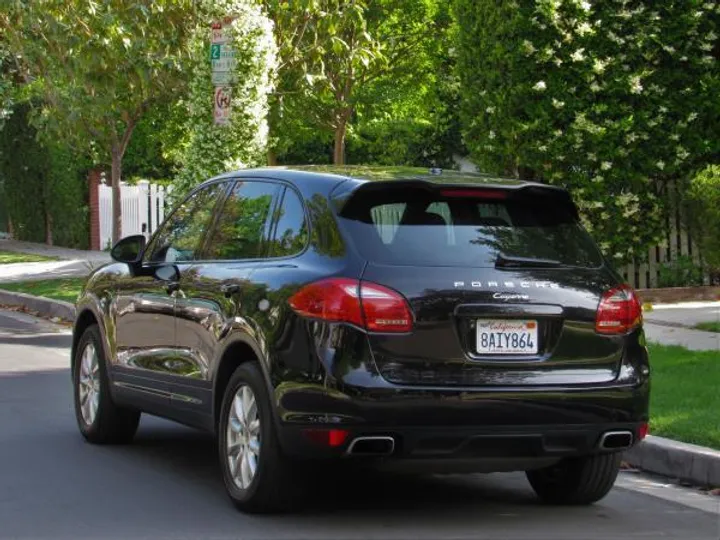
73 263
673 324
686 314
694 340
99 257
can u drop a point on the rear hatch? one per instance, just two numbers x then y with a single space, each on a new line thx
503 283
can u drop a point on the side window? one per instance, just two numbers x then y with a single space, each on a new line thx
291 233
240 229
179 239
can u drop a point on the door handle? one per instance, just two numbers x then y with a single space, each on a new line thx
230 289
172 286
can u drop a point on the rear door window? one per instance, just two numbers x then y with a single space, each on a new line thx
240 231
428 227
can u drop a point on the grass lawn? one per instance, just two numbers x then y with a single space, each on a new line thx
66 289
7 257
685 395
710 326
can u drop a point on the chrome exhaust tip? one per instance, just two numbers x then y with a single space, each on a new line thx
371 446
616 440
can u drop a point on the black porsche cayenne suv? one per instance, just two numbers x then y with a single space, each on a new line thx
402 318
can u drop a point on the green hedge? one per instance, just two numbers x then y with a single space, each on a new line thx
42 179
703 211
608 99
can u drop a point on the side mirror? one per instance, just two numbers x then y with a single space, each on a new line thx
129 249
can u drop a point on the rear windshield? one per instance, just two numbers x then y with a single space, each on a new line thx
468 227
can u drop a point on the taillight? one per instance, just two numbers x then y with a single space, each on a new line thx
367 305
643 431
619 311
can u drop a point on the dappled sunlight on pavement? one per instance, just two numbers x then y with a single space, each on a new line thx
43 270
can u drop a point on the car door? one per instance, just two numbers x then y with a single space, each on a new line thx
215 291
144 311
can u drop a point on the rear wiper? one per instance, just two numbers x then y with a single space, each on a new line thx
503 261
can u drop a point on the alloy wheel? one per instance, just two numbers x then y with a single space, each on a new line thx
89 384
243 437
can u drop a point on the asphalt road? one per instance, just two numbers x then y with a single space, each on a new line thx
167 484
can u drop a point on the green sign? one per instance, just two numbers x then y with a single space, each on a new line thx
215 51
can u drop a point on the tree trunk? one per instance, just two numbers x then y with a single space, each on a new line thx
48 228
115 177
339 151
271 157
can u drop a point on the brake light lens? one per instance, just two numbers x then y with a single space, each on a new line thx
619 311
367 305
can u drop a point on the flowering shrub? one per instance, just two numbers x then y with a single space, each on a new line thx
213 149
608 99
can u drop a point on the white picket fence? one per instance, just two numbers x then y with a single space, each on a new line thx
143 210
677 243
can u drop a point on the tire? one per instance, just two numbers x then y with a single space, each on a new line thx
270 488
576 481
108 424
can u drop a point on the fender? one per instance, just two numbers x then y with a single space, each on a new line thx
90 303
240 335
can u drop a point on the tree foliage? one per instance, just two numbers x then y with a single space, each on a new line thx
152 153
330 51
100 66
210 149
412 119
608 99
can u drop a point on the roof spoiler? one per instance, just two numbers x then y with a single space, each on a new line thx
345 192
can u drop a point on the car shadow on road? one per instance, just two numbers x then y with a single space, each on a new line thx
329 489
187 460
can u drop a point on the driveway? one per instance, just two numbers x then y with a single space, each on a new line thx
167 483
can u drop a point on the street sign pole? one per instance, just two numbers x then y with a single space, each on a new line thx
223 62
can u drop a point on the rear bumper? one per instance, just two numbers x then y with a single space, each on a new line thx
494 430
472 448
491 423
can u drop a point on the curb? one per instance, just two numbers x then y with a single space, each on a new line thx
670 324
688 462
43 306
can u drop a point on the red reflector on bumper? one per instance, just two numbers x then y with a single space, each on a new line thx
327 437
643 431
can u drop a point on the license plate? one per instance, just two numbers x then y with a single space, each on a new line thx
496 336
